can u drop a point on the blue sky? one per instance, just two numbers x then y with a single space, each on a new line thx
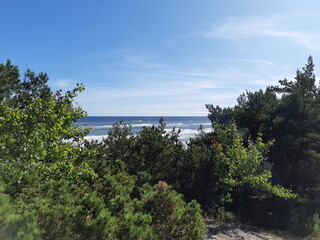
160 57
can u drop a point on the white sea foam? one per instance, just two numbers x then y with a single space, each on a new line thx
101 127
185 134
203 124
137 125
99 138
193 132
174 124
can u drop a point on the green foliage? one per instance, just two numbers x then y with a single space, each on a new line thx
57 209
15 223
297 131
213 168
18 93
54 186
153 152
240 166
9 81
82 212
292 121
289 115
171 217
32 141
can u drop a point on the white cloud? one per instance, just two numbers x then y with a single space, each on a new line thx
141 60
62 83
296 27
252 60
147 86
146 71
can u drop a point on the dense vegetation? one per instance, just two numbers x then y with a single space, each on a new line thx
52 188
259 164
288 115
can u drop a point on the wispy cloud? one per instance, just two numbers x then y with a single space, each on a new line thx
141 60
169 89
62 83
278 26
145 68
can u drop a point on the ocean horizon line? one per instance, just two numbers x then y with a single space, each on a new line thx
188 125
141 116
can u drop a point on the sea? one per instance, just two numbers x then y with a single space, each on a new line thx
101 125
